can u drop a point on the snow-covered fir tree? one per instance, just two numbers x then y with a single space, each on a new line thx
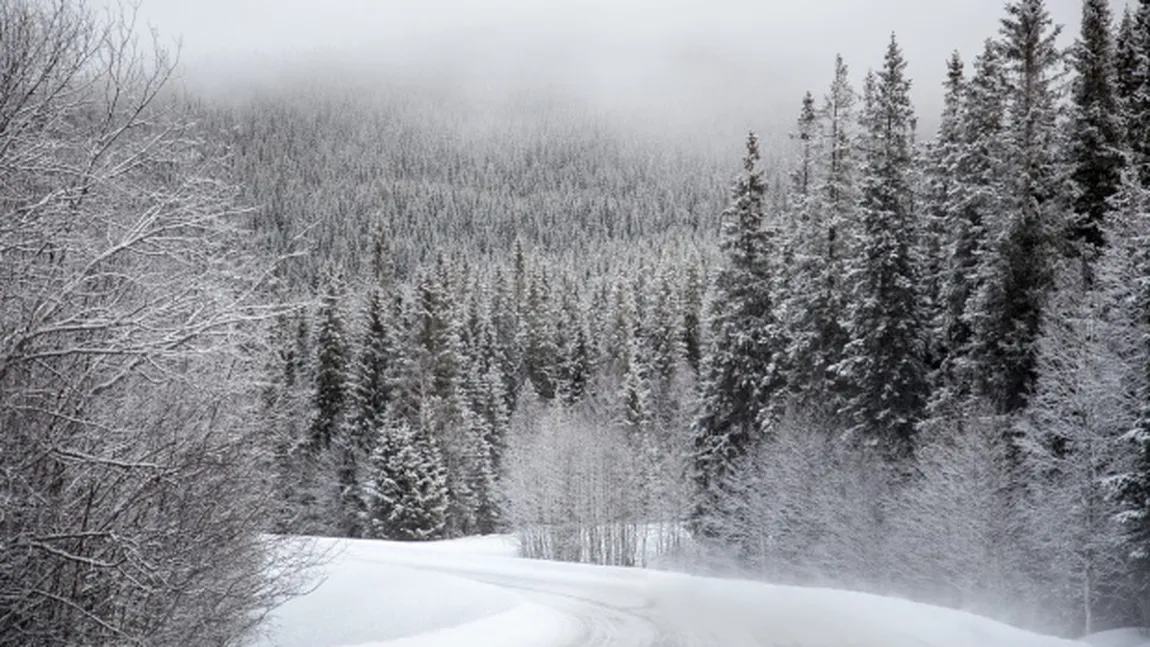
1006 314
884 361
743 375
1096 137
939 202
970 218
331 348
815 296
405 490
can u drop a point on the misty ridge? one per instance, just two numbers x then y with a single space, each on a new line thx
827 294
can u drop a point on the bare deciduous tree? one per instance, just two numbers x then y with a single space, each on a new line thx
131 487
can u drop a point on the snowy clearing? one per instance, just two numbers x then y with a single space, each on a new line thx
475 592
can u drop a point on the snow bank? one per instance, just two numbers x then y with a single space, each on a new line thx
474 592
1133 637
360 600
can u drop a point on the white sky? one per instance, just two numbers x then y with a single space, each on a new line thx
672 60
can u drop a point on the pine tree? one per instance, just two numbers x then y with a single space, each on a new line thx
485 418
977 177
804 177
815 297
1127 50
371 390
1096 139
331 369
941 189
1135 87
440 363
574 370
693 289
540 356
884 360
1007 312
370 399
743 372
405 493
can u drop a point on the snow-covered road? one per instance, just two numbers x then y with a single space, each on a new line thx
475 593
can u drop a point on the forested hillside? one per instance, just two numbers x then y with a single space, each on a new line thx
905 362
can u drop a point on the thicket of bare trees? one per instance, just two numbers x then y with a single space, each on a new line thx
131 489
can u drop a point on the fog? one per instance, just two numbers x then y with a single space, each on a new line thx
716 67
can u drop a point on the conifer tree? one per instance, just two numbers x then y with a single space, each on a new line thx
1015 280
743 371
884 360
971 220
540 356
941 189
1127 50
804 176
574 363
440 363
369 401
693 289
372 390
1096 139
405 492
331 369
816 292
1135 87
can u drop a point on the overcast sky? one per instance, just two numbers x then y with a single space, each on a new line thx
672 60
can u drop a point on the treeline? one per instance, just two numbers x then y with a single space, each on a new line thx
408 412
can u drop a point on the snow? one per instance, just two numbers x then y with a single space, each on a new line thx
1130 637
475 592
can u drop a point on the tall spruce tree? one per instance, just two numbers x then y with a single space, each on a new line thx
815 294
941 188
1135 86
1007 313
977 177
743 372
405 492
1096 139
368 403
884 360
331 368
1127 50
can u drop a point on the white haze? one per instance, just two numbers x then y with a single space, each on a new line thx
715 67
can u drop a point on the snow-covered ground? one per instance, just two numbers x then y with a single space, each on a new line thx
475 592
1119 638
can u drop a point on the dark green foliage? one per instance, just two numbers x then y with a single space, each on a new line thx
820 226
1135 89
331 369
973 167
1096 138
1007 313
406 488
742 374
884 360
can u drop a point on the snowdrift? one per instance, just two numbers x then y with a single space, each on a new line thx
475 592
